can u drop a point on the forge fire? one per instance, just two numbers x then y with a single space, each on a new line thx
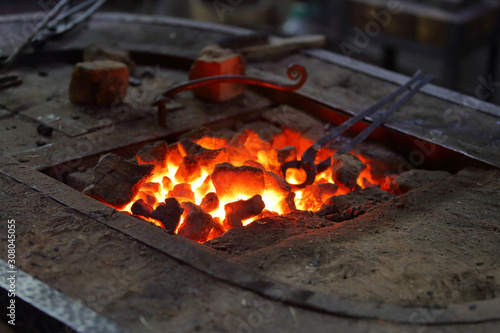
200 188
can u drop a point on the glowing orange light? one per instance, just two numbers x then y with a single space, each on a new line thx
249 149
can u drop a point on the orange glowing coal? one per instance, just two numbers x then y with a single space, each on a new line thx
202 188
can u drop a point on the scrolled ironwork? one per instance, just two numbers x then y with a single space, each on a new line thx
295 72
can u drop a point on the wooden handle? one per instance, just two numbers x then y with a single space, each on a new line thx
280 46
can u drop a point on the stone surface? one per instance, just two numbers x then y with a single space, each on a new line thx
290 117
415 178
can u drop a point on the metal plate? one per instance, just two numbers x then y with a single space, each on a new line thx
67 311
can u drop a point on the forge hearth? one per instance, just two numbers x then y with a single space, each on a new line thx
299 236
412 246
234 181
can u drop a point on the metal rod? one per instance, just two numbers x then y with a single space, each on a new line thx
307 161
9 81
53 12
69 312
379 121
57 27
295 72
310 153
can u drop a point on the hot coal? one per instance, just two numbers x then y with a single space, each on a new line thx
142 208
254 164
287 204
167 183
269 161
287 154
276 184
207 158
245 146
169 213
196 133
148 197
217 230
241 210
117 181
153 153
188 171
254 171
174 155
79 180
210 202
381 160
314 195
152 187
254 143
182 192
205 186
346 169
236 150
197 224
230 181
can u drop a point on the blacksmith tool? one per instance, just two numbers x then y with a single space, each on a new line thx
66 21
57 22
262 46
295 72
307 161
9 81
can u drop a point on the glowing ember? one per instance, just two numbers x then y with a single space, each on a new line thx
221 184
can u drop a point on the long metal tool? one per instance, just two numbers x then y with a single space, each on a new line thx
57 22
307 161
50 15
295 72
9 81
64 22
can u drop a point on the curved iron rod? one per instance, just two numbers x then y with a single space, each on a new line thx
295 72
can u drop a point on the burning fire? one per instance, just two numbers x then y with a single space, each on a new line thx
221 184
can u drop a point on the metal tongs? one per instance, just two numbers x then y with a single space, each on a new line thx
307 161
58 21
65 22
